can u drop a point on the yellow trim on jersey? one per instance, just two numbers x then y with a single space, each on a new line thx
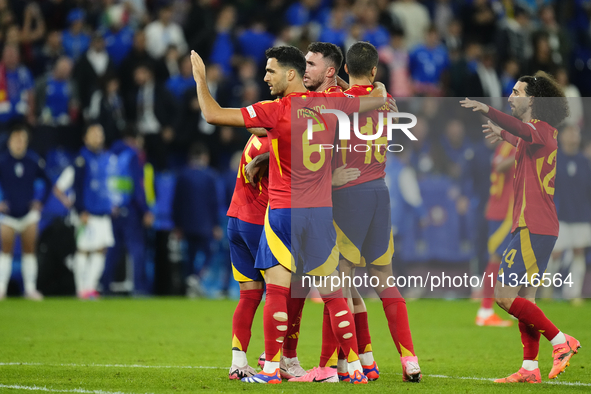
527 252
276 152
404 352
496 239
279 250
386 258
522 214
329 266
346 247
238 277
236 343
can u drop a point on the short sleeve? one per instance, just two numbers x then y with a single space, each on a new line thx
264 114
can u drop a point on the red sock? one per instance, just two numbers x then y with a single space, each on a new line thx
275 321
295 305
330 345
488 291
243 317
362 331
531 315
342 354
530 339
343 324
397 315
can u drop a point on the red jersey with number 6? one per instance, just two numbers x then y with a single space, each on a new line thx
300 173
367 156
249 201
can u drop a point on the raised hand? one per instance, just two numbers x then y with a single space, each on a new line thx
476 106
198 67
492 131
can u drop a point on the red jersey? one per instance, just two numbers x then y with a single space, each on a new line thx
500 202
299 169
535 172
368 156
250 203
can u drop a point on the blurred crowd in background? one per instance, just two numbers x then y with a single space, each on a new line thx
124 64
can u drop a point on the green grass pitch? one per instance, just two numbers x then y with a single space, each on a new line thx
64 345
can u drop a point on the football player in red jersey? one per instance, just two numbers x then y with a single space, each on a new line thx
499 214
245 225
538 107
313 236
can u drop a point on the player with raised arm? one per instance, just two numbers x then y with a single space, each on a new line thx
245 225
499 214
297 231
538 107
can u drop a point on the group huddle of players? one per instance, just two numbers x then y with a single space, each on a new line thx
304 216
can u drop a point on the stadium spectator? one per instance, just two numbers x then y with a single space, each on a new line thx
130 212
253 42
573 205
48 54
139 55
195 211
93 206
373 32
479 21
558 38
153 110
452 36
427 64
509 77
164 32
107 108
16 90
414 18
513 40
575 102
335 31
178 84
396 58
118 35
56 100
542 58
20 209
223 48
90 68
200 25
75 40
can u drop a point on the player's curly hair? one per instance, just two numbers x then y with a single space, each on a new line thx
329 51
553 108
288 56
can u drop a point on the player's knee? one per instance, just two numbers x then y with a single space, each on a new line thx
504 302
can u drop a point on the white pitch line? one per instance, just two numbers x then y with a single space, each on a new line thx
37 388
558 383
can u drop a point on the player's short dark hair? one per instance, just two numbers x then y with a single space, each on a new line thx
553 106
288 56
362 57
329 51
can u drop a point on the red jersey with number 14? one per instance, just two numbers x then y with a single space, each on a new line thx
367 156
300 173
500 202
249 202
535 173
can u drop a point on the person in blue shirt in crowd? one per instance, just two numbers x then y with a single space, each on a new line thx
179 84
16 89
374 33
20 209
56 98
427 63
75 40
254 41
196 212
130 211
118 35
94 232
573 206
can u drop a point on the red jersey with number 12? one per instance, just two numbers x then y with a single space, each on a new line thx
299 168
368 156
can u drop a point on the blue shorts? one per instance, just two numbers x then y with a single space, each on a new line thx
527 253
300 239
363 223
499 236
244 240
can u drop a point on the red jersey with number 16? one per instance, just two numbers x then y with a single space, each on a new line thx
299 168
368 156
249 202
535 173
